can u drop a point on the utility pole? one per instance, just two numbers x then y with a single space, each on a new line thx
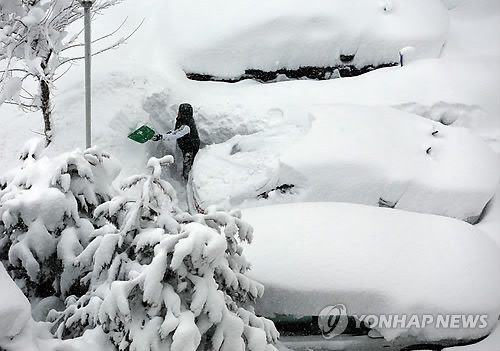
87 4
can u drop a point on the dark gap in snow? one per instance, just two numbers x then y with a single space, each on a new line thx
309 325
235 149
306 72
442 344
283 189
346 58
386 203
477 219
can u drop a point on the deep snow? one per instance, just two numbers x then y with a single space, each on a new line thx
375 261
16 313
353 154
226 43
142 82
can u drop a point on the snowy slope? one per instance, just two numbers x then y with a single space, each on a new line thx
375 261
354 154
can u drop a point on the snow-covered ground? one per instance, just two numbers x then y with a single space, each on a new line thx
143 82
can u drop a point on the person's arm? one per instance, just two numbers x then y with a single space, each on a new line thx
173 134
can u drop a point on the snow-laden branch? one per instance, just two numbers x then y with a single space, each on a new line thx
32 41
181 277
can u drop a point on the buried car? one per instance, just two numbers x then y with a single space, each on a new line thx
376 156
325 39
420 281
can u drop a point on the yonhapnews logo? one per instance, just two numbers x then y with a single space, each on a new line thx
333 321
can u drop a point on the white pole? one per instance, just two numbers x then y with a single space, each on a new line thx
88 107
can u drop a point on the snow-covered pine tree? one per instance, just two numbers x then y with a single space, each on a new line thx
46 210
163 279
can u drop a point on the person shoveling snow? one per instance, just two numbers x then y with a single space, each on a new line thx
187 137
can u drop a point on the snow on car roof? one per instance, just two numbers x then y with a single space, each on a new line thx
357 154
225 38
373 260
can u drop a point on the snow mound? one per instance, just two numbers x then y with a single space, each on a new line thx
15 314
375 261
368 155
286 34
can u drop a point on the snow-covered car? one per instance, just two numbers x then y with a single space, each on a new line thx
409 274
262 39
375 156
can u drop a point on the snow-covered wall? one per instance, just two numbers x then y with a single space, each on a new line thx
223 39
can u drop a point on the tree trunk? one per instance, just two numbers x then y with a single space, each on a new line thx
46 111
46 105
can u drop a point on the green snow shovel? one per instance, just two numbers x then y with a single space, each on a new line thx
142 134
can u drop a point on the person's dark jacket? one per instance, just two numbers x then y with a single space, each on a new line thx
191 141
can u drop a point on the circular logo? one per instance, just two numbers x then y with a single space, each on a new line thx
332 320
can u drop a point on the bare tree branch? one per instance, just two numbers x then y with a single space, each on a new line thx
39 133
62 74
31 108
14 70
27 92
115 45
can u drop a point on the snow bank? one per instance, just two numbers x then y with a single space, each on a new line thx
36 336
15 309
18 331
366 155
286 34
373 260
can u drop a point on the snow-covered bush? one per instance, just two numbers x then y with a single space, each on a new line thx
46 210
163 279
